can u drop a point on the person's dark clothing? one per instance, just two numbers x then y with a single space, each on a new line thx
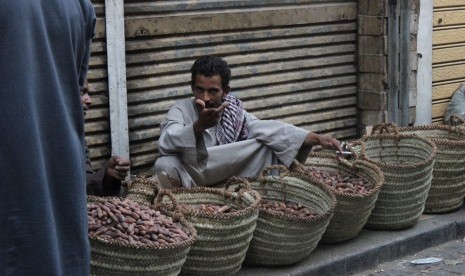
98 183
44 53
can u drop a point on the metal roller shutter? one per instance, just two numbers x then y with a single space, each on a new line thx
291 60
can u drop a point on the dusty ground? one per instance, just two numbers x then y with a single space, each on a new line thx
453 262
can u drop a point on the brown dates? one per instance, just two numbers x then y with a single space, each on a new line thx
288 208
343 183
129 222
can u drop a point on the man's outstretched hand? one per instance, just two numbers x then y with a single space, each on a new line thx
326 142
208 117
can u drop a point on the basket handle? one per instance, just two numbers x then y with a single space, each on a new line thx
142 178
240 181
298 167
284 171
244 188
385 128
459 130
362 151
281 168
158 202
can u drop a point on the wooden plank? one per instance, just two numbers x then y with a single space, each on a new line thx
144 134
96 113
448 17
449 72
159 43
97 74
445 91
343 134
98 139
449 54
231 19
344 112
283 111
293 99
306 86
143 147
330 127
282 97
97 61
117 77
98 48
166 7
173 93
271 78
448 3
448 36
439 109
98 86
98 99
246 94
100 28
234 60
276 72
99 153
99 126
169 55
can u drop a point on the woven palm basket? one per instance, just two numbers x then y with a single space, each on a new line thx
448 185
222 238
282 239
353 209
114 257
141 189
407 162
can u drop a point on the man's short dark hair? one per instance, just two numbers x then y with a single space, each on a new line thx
210 66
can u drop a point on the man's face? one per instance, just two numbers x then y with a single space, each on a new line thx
209 90
85 98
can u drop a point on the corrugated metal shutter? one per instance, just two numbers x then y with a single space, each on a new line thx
291 60
448 52
97 126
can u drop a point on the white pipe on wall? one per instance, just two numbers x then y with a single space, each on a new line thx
425 66
116 56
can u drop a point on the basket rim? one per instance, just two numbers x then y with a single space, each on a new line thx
460 130
415 165
151 246
309 179
220 192
375 168
143 179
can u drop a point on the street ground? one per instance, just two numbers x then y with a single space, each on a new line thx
450 261
380 253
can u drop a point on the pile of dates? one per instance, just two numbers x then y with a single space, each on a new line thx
288 208
209 208
343 184
129 222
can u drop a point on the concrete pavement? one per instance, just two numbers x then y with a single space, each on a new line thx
450 261
372 247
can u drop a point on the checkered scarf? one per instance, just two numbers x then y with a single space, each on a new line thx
232 125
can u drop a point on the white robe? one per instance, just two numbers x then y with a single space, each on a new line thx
202 162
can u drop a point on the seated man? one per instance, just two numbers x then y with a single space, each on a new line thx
107 180
210 138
